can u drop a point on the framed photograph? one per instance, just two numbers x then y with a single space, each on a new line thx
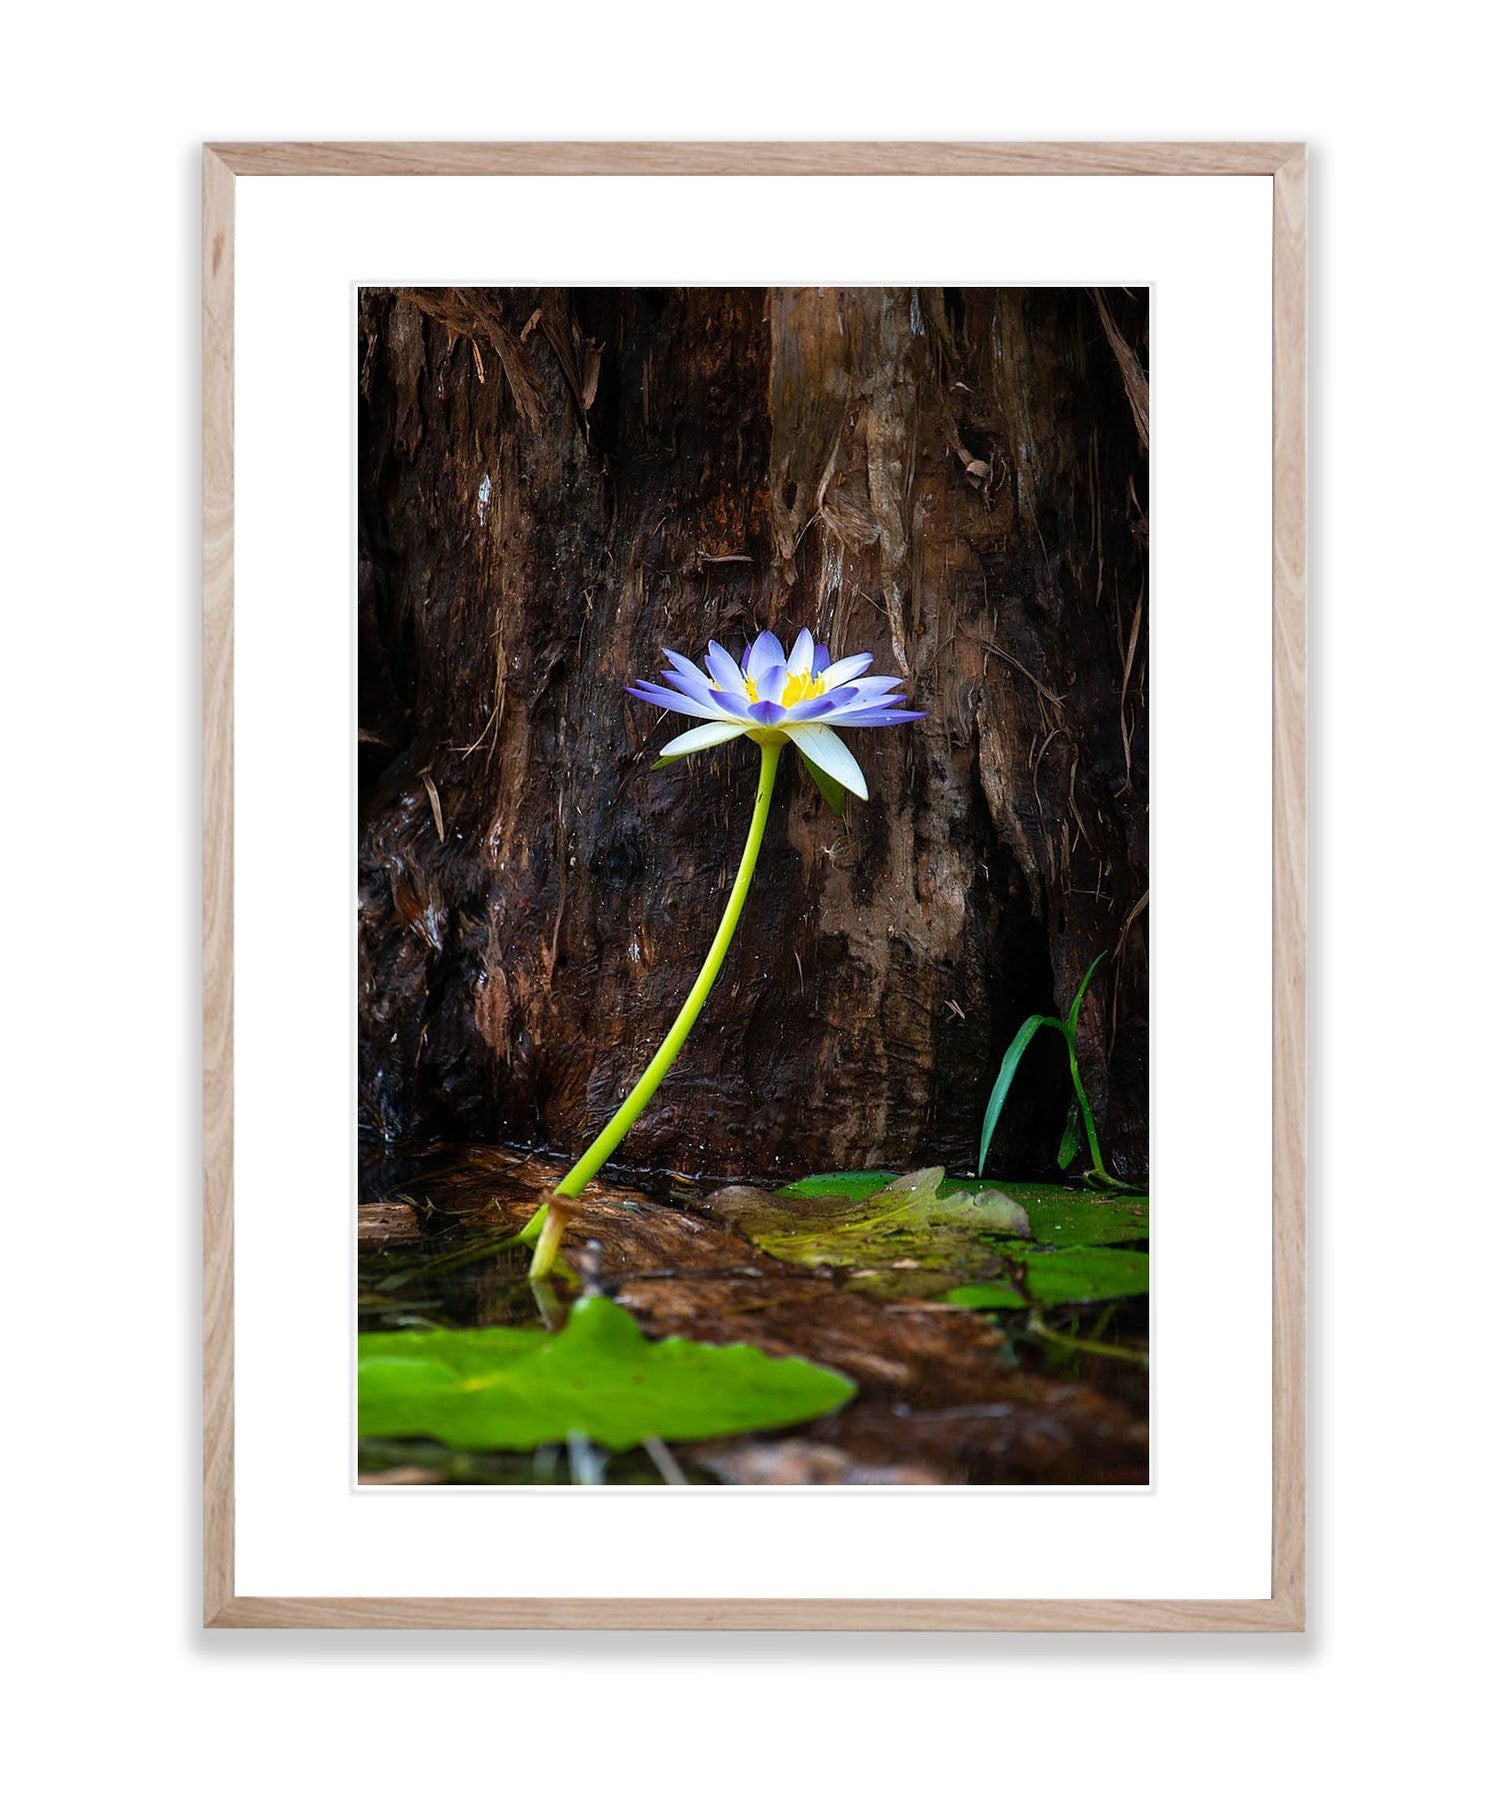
754 811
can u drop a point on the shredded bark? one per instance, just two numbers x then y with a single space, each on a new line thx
554 485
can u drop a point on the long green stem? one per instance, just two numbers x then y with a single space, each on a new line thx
546 1226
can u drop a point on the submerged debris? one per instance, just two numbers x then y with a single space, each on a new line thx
388 1221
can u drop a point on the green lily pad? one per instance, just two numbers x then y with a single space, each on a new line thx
1064 1216
923 1235
909 1243
859 1184
1060 1216
516 1389
1075 1276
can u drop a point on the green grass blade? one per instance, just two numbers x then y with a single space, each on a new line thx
1006 1075
1077 1000
1084 1109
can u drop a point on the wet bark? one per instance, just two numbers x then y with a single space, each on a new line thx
554 485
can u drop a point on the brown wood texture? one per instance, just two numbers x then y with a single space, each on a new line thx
1285 1610
615 159
1235 1616
218 884
556 484
1288 664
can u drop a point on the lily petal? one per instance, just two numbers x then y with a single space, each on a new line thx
820 744
822 658
845 670
673 702
875 715
682 665
765 653
701 737
842 715
872 688
772 684
799 662
818 707
724 669
873 702
697 687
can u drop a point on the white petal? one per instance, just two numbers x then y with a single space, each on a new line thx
701 737
828 750
799 662
846 670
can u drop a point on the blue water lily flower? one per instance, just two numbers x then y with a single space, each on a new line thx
769 695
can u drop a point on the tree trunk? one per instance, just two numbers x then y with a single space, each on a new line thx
554 486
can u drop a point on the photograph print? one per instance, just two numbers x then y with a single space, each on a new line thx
753 879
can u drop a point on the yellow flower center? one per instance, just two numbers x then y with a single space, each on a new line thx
803 687
798 687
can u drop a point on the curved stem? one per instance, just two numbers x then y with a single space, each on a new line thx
609 1139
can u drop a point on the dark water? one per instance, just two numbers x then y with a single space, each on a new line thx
945 1395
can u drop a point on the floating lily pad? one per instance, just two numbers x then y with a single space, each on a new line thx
858 1185
1060 1216
1075 1276
922 1235
913 1247
517 1389
1064 1216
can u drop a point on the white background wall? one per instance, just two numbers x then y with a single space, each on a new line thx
104 109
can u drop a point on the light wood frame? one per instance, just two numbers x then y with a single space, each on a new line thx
1284 1610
